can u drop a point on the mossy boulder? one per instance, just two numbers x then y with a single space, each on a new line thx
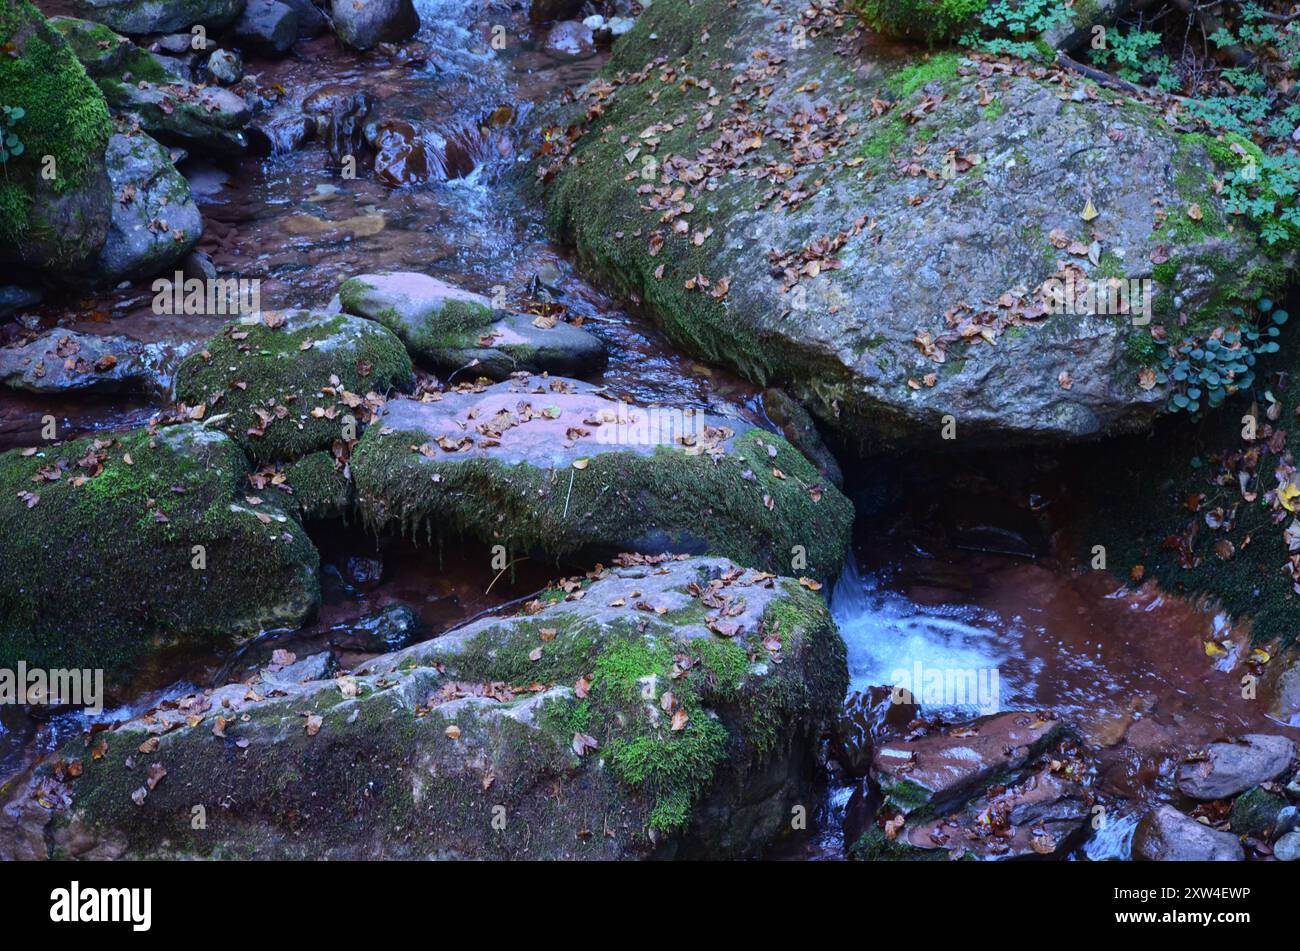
115 547
589 729
553 465
159 16
100 50
451 329
56 224
1255 812
208 118
155 221
879 236
291 383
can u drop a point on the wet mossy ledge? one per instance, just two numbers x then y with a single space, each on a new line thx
119 546
609 720
553 466
287 384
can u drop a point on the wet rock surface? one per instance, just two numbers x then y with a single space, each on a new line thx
1167 835
155 221
364 24
60 361
1225 769
159 16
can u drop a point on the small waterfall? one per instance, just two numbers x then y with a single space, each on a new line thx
892 640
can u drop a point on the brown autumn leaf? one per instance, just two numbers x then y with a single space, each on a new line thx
680 719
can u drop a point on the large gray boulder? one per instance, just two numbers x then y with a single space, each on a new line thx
884 254
267 26
159 16
155 221
364 24
611 722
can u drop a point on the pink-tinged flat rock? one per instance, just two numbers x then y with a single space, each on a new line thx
942 769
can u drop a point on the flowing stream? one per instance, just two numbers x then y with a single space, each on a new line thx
1127 667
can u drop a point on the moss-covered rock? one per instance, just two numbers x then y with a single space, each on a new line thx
450 329
1255 813
54 223
159 16
115 547
292 388
176 111
552 465
876 236
591 729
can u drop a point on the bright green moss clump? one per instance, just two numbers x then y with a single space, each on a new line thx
66 118
935 21
99 561
290 390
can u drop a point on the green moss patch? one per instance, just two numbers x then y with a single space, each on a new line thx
117 546
291 390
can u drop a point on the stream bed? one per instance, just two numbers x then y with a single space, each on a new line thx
1126 666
